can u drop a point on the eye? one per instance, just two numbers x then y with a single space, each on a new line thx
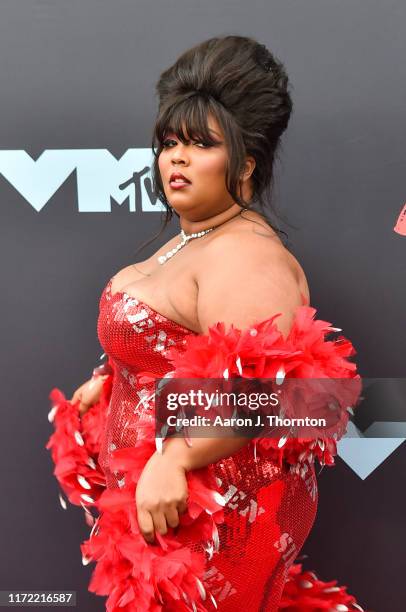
166 143
206 145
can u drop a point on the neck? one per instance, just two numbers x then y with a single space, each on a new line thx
190 227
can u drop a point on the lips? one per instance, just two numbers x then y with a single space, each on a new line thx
178 176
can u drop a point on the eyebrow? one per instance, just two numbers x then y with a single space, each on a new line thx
170 130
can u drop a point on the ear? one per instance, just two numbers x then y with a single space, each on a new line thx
248 169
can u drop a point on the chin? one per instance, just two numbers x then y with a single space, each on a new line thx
181 207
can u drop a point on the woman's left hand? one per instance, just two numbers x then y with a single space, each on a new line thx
161 495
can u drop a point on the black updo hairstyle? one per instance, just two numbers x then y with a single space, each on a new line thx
241 83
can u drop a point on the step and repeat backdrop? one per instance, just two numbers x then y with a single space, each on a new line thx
77 110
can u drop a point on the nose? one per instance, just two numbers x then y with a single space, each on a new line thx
179 154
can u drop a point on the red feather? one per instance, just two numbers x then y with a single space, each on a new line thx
137 576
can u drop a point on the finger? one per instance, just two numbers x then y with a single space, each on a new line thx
76 397
172 517
159 522
83 408
146 525
182 507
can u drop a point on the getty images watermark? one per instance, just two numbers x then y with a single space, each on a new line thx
217 407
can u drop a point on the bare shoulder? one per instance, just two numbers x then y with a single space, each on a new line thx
254 251
258 247
248 277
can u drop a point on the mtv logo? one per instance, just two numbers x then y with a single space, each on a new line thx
100 176
364 454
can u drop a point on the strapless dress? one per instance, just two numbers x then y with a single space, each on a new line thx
269 510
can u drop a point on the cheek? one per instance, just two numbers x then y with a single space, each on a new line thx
164 168
161 163
213 169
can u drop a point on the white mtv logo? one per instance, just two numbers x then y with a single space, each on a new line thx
365 454
99 175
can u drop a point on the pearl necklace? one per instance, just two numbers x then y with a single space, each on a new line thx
185 239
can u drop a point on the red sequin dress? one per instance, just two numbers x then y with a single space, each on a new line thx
269 510
247 516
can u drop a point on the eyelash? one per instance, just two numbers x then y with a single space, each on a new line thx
164 144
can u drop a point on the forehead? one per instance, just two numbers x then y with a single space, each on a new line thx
212 125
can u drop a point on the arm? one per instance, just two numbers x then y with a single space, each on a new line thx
202 452
247 283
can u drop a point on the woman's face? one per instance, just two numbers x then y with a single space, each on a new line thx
205 166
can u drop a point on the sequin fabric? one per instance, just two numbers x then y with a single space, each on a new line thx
269 510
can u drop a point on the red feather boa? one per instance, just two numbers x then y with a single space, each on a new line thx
262 352
139 577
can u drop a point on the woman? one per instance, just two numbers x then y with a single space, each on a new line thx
223 107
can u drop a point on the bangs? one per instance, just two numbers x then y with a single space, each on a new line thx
188 120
